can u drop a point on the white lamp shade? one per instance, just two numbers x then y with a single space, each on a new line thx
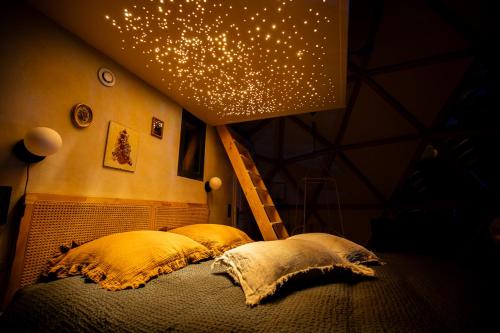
215 183
42 141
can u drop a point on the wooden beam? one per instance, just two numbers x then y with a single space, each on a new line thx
308 156
265 158
415 63
362 177
309 130
293 181
394 103
352 146
348 111
268 177
426 61
425 204
380 142
334 206
426 136
451 18
262 123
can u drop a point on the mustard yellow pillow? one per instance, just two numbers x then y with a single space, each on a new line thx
218 238
129 259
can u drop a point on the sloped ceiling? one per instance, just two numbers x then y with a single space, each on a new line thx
225 61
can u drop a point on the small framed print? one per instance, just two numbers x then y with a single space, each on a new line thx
157 128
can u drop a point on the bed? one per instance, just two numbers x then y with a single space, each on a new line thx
193 299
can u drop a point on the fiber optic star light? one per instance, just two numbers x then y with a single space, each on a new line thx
228 60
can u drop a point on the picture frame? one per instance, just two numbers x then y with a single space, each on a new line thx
157 128
82 115
192 147
122 146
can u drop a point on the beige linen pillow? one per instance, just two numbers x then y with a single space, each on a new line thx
129 259
216 237
262 267
345 248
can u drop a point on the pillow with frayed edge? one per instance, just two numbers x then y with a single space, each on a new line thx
216 237
260 268
345 248
126 260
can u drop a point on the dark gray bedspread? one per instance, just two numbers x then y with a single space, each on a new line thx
194 300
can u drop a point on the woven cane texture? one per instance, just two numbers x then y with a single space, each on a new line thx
178 216
55 221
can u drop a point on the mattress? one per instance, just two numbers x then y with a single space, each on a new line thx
195 300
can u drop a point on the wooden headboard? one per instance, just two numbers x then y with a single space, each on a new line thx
51 220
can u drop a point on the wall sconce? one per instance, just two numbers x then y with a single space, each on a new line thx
213 184
37 143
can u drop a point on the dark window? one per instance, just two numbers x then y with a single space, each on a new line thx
192 147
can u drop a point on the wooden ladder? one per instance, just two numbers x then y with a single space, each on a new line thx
267 217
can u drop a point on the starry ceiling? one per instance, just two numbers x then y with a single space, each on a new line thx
225 61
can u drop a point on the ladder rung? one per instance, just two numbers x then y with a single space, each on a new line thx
279 230
246 160
260 189
276 222
266 205
240 147
254 174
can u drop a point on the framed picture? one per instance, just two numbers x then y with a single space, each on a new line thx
81 115
121 147
192 147
157 128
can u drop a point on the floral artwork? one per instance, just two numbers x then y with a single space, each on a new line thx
121 153
121 147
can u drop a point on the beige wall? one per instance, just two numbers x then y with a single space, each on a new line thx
44 71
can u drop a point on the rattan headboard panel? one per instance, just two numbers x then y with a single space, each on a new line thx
172 217
54 223
52 220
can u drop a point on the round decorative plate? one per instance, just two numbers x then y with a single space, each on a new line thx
106 77
81 115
